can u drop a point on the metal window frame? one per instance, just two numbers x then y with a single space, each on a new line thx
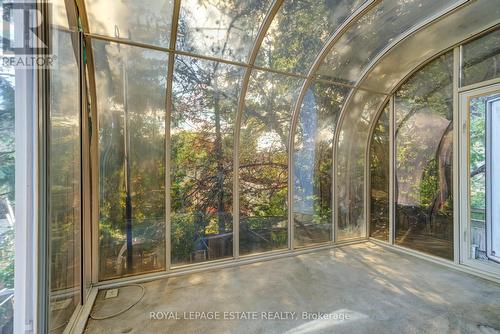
458 161
249 67
30 240
358 86
31 312
311 76
465 94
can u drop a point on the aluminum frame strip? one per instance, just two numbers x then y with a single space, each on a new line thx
237 124
354 17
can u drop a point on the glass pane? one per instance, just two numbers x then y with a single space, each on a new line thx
379 178
264 162
202 124
7 195
430 41
224 29
477 167
64 186
424 159
372 33
351 156
313 163
59 15
483 142
131 158
145 21
299 30
481 59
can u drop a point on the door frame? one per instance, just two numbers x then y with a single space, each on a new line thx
489 179
465 95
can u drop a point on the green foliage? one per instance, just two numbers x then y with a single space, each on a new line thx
7 128
183 235
7 187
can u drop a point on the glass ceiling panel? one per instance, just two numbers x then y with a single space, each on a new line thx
145 21
220 28
372 33
425 44
299 31
264 161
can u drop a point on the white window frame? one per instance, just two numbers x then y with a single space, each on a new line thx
465 94
493 180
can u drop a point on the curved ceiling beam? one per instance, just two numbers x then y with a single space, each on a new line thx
168 116
368 69
337 34
439 16
353 18
387 50
365 73
237 123
90 99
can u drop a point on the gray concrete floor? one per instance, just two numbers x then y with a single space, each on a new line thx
363 288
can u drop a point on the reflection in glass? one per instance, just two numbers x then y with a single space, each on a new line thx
313 163
264 161
64 185
424 159
131 158
481 59
202 125
379 178
145 21
299 30
372 33
351 163
224 29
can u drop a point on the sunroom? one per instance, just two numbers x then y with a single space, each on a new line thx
260 166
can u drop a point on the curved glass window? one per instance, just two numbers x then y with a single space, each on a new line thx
205 98
263 170
424 159
351 163
481 59
223 29
379 178
131 158
299 30
374 31
313 163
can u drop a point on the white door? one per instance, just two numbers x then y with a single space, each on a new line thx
480 178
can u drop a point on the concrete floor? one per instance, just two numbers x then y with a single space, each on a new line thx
362 288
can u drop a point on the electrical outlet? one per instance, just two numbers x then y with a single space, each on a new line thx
111 293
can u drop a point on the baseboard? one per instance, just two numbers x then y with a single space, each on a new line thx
449 264
82 316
